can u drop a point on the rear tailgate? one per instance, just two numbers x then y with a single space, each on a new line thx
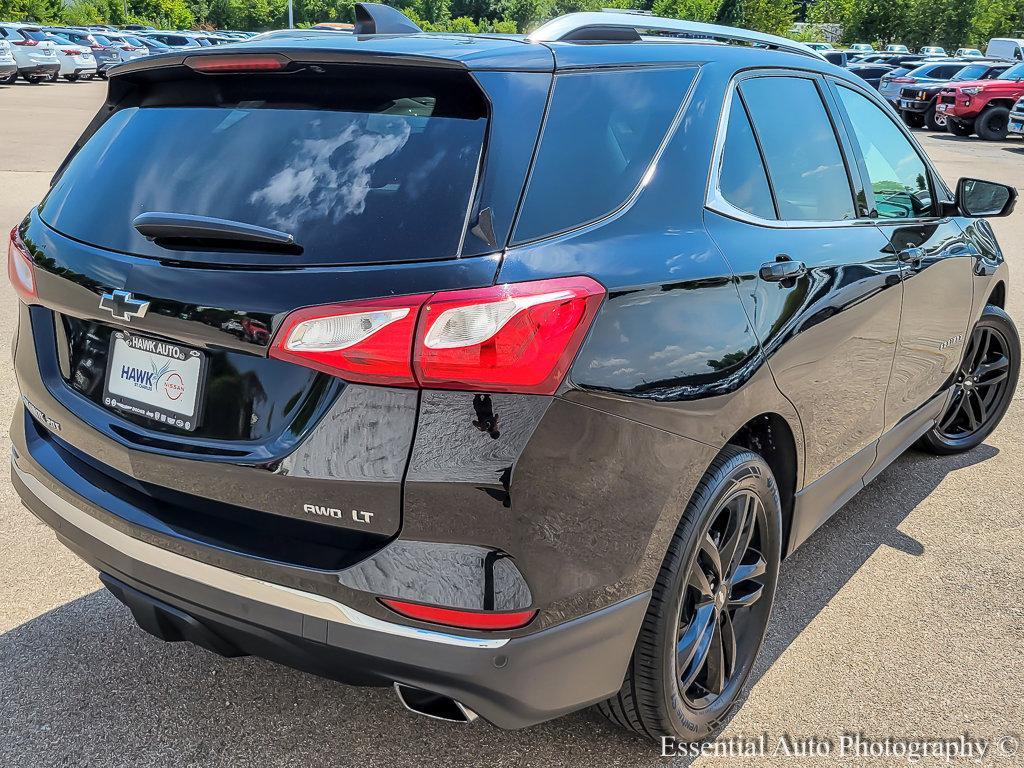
379 174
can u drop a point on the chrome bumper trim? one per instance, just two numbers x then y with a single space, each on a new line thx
235 583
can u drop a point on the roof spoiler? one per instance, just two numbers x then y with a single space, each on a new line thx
378 19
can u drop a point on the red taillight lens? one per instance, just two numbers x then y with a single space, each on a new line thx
19 268
364 341
25 42
517 337
96 47
904 80
450 617
70 51
247 63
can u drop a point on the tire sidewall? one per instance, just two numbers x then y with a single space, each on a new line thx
983 126
747 471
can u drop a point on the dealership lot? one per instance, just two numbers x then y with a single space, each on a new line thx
900 618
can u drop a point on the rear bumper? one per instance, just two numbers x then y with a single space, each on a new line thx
39 70
510 682
1016 124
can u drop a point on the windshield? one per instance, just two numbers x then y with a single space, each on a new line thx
972 72
58 39
100 39
1016 72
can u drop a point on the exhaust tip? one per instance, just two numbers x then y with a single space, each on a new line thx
433 705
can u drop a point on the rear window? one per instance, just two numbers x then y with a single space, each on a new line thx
357 171
102 40
33 34
600 136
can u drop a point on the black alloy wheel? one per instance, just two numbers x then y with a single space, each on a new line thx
726 579
709 607
983 387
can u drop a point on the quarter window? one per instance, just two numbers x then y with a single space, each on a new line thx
806 167
742 180
896 172
601 134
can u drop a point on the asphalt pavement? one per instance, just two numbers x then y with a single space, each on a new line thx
901 618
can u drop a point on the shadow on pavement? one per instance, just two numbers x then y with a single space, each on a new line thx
83 685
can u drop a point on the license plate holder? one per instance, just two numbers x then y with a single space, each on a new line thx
154 379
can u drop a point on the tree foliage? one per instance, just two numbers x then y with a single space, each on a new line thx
950 23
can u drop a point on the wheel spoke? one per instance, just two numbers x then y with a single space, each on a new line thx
709 549
729 643
736 545
953 411
699 581
714 681
692 648
972 409
747 570
745 595
992 371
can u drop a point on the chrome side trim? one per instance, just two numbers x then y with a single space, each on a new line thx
235 583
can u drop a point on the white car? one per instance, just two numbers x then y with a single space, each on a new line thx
1005 48
76 61
37 59
935 50
821 46
862 48
896 48
129 51
8 66
968 53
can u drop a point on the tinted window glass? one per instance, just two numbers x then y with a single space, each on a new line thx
601 134
972 72
33 34
801 150
388 178
898 176
1016 72
742 179
101 40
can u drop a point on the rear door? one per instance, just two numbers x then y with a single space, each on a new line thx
819 282
936 257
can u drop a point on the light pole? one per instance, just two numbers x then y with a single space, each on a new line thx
291 17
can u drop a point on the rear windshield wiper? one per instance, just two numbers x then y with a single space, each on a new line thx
177 230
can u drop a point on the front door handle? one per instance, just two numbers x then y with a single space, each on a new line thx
912 256
778 271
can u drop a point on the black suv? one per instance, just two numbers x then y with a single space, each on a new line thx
502 370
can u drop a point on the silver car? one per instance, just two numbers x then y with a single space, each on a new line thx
8 66
76 61
129 51
37 59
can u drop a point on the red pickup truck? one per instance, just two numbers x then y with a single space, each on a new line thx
982 106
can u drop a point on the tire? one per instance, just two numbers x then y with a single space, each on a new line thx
11 80
913 119
958 127
933 121
984 387
102 75
993 124
71 78
653 701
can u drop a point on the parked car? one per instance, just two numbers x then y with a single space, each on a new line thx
934 50
1016 124
36 59
105 53
862 47
1005 48
982 106
131 48
870 73
172 39
892 59
967 53
896 48
8 66
839 58
76 61
917 101
482 456
932 72
821 46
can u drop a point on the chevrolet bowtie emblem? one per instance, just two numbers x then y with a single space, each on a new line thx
123 306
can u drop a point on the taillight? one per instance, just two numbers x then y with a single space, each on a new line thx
451 617
25 42
516 337
904 80
96 47
519 337
70 51
19 267
364 341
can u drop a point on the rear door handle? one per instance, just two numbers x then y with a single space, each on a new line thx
777 271
912 256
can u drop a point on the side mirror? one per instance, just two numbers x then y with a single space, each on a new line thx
977 198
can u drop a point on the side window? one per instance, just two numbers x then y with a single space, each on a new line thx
600 136
896 172
742 179
800 147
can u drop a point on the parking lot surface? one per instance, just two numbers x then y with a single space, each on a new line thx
901 618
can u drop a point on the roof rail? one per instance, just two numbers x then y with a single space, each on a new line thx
618 26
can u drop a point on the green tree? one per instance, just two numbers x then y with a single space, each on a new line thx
691 10
730 13
772 16
995 18
831 12
880 21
